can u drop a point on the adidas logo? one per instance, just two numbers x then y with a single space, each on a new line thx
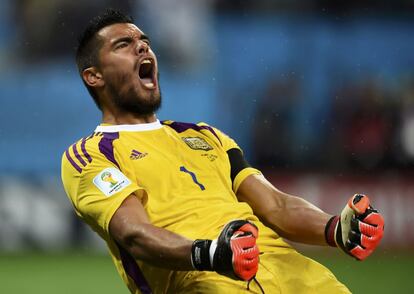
137 155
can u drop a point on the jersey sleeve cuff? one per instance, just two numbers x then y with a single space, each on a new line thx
242 175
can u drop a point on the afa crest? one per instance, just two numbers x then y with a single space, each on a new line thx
197 143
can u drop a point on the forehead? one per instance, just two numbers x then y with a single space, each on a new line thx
112 32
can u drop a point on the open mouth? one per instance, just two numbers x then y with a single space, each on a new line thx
146 73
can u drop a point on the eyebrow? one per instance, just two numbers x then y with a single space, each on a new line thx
128 39
144 37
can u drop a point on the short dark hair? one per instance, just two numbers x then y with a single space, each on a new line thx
89 44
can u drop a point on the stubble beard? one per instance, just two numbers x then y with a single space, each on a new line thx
130 102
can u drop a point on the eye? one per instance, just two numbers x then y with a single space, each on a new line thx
146 41
121 45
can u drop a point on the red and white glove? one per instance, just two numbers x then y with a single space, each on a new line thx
358 230
234 254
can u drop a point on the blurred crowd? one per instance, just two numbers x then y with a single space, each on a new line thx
367 123
369 126
50 28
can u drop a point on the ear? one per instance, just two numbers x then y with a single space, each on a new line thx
93 77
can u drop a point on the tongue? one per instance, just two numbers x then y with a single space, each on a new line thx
147 82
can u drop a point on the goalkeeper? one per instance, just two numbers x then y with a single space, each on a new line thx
177 204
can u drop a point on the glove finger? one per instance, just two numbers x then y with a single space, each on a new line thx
370 242
238 234
246 268
359 203
364 235
357 251
240 254
366 213
246 274
370 230
371 225
249 228
374 218
243 241
248 263
250 253
231 227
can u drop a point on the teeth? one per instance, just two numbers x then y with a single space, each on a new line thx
149 85
146 61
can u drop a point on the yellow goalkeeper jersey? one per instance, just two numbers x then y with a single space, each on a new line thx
184 169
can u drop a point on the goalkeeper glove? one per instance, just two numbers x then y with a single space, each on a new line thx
358 230
234 254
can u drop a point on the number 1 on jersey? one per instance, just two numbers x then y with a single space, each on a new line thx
193 176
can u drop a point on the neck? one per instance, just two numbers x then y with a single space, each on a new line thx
127 119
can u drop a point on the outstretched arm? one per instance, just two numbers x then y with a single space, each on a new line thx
131 228
233 254
291 217
358 230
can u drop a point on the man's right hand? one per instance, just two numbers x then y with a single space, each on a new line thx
234 254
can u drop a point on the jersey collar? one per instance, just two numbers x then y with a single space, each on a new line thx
129 128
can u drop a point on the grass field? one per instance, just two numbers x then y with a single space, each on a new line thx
81 272
380 273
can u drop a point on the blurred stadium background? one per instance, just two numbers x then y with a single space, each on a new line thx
319 94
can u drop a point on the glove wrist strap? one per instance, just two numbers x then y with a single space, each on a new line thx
330 230
200 255
212 251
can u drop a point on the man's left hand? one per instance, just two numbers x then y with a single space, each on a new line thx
358 230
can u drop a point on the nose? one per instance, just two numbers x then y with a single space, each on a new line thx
142 47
